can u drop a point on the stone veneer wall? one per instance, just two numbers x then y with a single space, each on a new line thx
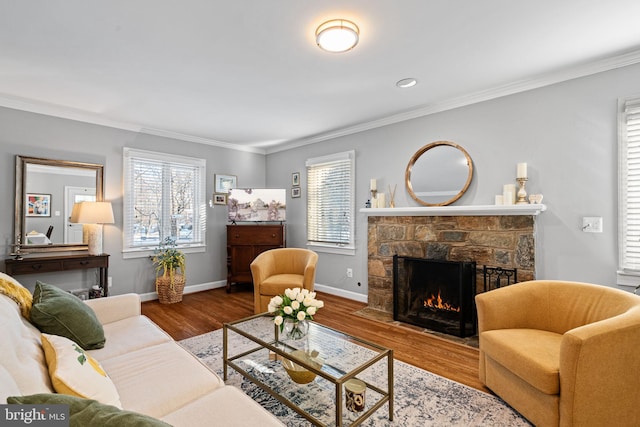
495 241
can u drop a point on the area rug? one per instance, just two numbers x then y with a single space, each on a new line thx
421 398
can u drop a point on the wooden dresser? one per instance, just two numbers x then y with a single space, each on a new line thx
244 243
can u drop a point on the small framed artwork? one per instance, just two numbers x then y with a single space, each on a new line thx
295 192
220 199
295 179
223 183
38 204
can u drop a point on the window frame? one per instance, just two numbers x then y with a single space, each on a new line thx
199 203
626 275
328 247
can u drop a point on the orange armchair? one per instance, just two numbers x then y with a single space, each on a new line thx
562 353
275 270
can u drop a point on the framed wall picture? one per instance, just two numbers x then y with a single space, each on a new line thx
223 183
295 179
220 199
38 204
295 192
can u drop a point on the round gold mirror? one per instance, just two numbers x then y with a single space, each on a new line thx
439 173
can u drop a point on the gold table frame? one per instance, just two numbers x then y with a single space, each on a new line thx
276 346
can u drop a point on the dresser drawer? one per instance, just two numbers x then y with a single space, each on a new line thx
34 266
258 235
74 264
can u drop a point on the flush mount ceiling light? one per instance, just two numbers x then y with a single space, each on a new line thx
337 35
404 83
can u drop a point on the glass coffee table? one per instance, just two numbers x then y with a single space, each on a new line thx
255 348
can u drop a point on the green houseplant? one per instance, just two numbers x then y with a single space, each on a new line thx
170 271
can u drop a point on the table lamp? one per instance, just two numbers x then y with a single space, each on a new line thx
93 215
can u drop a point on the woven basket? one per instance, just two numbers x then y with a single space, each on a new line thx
166 295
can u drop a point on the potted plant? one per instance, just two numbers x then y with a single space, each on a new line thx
170 271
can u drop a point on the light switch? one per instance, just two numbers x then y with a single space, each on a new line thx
592 224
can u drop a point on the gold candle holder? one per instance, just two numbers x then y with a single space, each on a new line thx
522 193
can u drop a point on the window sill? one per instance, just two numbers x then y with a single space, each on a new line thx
148 252
332 249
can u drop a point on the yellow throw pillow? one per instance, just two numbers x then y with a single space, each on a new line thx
76 373
18 293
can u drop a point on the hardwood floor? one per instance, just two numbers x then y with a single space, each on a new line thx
205 311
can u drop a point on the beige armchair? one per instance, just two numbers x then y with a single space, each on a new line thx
562 353
275 270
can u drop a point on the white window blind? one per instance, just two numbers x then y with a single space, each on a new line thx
330 200
164 196
629 194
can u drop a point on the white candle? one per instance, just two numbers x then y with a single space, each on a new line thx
509 194
381 202
374 184
374 202
499 200
522 170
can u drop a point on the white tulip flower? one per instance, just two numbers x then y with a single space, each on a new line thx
308 302
288 310
301 315
271 308
276 301
295 304
278 320
300 297
311 311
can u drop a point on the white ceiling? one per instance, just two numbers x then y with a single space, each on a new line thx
248 73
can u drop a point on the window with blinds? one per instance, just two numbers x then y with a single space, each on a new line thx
164 196
330 201
629 191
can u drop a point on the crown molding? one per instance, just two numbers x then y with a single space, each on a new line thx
547 79
582 70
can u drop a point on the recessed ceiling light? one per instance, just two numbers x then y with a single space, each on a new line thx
404 83
337 35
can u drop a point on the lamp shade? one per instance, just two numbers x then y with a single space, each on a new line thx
92 213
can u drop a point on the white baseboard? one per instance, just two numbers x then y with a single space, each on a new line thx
150 296
341 293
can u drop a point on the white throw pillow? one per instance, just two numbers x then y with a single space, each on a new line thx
76 373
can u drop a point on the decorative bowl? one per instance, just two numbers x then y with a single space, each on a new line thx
300 374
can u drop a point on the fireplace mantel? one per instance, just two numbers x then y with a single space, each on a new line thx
477 210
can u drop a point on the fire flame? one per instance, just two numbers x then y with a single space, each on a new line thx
437 303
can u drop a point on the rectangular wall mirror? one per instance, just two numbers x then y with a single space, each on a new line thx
46 191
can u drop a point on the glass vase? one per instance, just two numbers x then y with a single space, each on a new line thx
295 329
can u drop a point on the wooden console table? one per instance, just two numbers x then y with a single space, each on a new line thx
14 267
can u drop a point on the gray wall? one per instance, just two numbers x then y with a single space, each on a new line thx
37 135
567 133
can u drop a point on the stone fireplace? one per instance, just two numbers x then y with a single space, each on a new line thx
495 236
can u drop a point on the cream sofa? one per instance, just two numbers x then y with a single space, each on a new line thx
153 375
562 353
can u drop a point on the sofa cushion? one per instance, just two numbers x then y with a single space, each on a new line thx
87 412
531 354
159 379
76 373
58 312
130 334
226 406
21 353
14 290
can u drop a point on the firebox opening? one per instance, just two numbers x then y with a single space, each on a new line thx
435 294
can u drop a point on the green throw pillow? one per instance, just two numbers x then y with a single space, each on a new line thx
87 412
57 312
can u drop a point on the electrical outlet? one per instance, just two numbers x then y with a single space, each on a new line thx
592 224
349 272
